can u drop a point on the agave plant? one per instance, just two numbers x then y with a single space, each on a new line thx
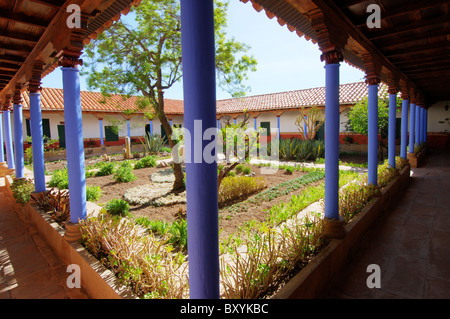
153 143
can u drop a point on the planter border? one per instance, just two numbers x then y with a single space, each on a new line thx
316 277
98 281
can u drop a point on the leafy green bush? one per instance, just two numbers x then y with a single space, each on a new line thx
246 170
106 169
93 193
124 173
117 207
147 161
289 169
235 187
301 150
239 168
21 189
60 179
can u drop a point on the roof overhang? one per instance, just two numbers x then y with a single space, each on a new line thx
37 30
411 50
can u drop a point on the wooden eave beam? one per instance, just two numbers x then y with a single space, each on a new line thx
51 3
405 28
21 18
335 14
19 36
413 6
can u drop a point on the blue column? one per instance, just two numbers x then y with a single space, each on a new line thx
372 138
151 127
198 52
2 152
37 140
417 125
422 125
74 143
100 125
8 138
306 128
391 132
218 124
278 126
332 141
412 121
128 129
426 126
255 123
404 132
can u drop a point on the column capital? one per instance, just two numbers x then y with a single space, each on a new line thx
34 85
373 69
7 105
70 55
392 90
332 57
70 59
404 95
17 97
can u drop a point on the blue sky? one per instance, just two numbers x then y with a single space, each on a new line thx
286 62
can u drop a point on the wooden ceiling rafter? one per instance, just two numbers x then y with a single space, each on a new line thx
413 40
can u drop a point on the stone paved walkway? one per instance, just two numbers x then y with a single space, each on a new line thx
28 267
411 243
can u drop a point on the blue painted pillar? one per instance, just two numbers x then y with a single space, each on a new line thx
417 125
278 126
422 125
198 52
74 143
128 129
412 121
2 152
391 131
234 121
151 127
8 138
255 124
100 125
404 128
37 139
426 126
218 124
306 128
372 138
332 141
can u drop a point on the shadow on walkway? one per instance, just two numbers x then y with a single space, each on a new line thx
410 243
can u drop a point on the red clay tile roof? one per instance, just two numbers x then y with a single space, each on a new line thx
349 94
52 99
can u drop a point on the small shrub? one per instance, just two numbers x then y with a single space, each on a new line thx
117 207
60 179
57 203
231 174
93 193
236 187
239 168
21 189
147 161
246 170
106 169
289 170
124 173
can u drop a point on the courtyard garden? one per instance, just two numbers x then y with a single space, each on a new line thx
270 225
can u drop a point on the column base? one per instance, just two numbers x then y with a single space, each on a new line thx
73 232
335 228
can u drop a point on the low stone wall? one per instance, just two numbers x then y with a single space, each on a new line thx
315 278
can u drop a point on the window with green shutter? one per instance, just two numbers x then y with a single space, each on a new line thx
266 125
111 133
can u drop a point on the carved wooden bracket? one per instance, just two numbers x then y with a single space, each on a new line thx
373 69
7 104
17 97
70 56
330 38
34 85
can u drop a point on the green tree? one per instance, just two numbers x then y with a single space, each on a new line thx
358 117
144 58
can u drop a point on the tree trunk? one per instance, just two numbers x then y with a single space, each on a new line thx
178 185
